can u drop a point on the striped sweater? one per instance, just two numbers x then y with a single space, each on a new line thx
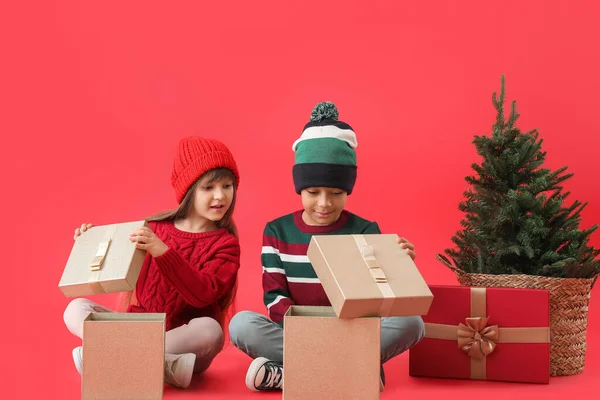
288 278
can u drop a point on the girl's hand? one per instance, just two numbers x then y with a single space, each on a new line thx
408 247
81 229
145 239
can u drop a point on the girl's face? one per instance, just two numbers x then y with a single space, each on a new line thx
322 206
213 199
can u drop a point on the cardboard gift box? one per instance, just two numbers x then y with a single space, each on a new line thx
334 352
330 358
103 260
495 334
123 356
369 275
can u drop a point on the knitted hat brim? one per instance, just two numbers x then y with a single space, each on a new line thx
336 176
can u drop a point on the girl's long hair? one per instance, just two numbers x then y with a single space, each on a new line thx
226 305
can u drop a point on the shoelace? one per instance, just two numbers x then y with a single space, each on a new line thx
273 376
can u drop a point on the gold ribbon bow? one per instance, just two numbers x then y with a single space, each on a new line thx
476 338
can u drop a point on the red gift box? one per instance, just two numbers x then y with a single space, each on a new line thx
497 334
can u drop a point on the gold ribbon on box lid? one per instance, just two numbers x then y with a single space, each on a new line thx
477 339
97 261
377 273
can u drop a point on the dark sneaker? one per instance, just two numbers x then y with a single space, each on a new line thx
264 374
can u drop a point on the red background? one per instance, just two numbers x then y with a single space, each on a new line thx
95 96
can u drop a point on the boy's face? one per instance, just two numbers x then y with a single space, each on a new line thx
322 206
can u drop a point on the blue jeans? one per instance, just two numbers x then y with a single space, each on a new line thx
258 336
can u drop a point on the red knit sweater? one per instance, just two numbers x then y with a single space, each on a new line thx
188 280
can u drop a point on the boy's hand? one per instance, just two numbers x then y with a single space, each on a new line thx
145 239
408 247
81 229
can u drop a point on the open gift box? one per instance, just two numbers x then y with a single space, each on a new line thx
103 260
123 356
334 352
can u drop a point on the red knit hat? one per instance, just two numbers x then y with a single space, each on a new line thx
194 158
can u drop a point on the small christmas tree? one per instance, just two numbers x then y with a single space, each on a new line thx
515 221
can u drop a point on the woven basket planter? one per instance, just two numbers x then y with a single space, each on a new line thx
569 299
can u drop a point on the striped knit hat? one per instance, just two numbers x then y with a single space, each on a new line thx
324 153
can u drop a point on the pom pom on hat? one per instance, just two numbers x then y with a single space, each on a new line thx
324 110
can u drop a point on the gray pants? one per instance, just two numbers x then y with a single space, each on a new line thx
258 336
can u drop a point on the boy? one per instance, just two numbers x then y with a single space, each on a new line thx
324 175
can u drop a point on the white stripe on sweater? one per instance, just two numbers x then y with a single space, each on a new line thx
274 270
303 280
289 278
277 300
285 257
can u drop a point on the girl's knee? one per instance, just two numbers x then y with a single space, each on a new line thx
74 310
75 313
209 332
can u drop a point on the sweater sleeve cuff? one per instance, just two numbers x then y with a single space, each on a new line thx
168 260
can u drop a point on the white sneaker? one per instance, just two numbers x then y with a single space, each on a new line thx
264 374
78 359
179 369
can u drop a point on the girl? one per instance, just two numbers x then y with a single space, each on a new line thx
191 265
